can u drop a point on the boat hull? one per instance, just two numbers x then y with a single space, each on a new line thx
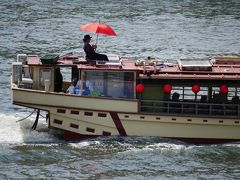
71 136
81 117
197 131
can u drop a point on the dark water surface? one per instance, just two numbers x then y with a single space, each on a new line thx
168 30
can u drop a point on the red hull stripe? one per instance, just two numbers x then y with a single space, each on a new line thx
118 124
72 136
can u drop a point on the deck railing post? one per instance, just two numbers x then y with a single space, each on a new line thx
224 109
238 111
196 108
210 109
153 106
168 107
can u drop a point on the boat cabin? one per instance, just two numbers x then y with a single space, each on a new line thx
204 87
108 80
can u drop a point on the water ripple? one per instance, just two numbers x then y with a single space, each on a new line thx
164 29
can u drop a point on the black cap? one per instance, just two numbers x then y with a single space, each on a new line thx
87 37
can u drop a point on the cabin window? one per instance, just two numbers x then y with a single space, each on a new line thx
182 100
112 84
45 74
27 72
67 74
119 84
109 84
93 83
186 94
27 77
70 76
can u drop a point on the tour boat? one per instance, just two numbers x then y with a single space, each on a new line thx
195 100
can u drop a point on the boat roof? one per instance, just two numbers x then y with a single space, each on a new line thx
221 68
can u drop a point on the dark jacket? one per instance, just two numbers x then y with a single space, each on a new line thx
92 55
90 52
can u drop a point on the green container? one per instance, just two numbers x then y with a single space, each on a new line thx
49 59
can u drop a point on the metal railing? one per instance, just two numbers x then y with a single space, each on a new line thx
194 108
25 85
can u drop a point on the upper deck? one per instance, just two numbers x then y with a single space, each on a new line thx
219 68
216 79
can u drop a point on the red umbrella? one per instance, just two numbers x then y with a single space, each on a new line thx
98 28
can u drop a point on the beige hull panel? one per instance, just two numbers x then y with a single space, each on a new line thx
166 127
181 130
63 100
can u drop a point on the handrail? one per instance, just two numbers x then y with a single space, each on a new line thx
19 56
194 108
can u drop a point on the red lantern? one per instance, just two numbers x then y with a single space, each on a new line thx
167 88
223 89
140 88
195 88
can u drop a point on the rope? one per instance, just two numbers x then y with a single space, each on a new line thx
36 120
26 116
42 115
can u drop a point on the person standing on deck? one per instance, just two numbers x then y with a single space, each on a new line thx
90 50
58 80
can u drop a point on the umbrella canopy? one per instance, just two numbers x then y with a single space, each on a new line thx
98 28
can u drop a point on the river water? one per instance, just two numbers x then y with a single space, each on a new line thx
163 29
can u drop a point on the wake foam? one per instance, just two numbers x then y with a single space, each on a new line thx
12 132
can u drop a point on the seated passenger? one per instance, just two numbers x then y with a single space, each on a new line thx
91 55
175 107
203 109
235 100
78 84
218 99
203 99
75 80
89 85
85 87
86 92
233 109
175 97
84 83
71 89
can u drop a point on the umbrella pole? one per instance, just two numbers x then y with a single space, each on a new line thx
97 39
97 34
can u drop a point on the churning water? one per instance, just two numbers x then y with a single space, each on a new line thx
163 29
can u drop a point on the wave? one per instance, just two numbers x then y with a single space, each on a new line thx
13 132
